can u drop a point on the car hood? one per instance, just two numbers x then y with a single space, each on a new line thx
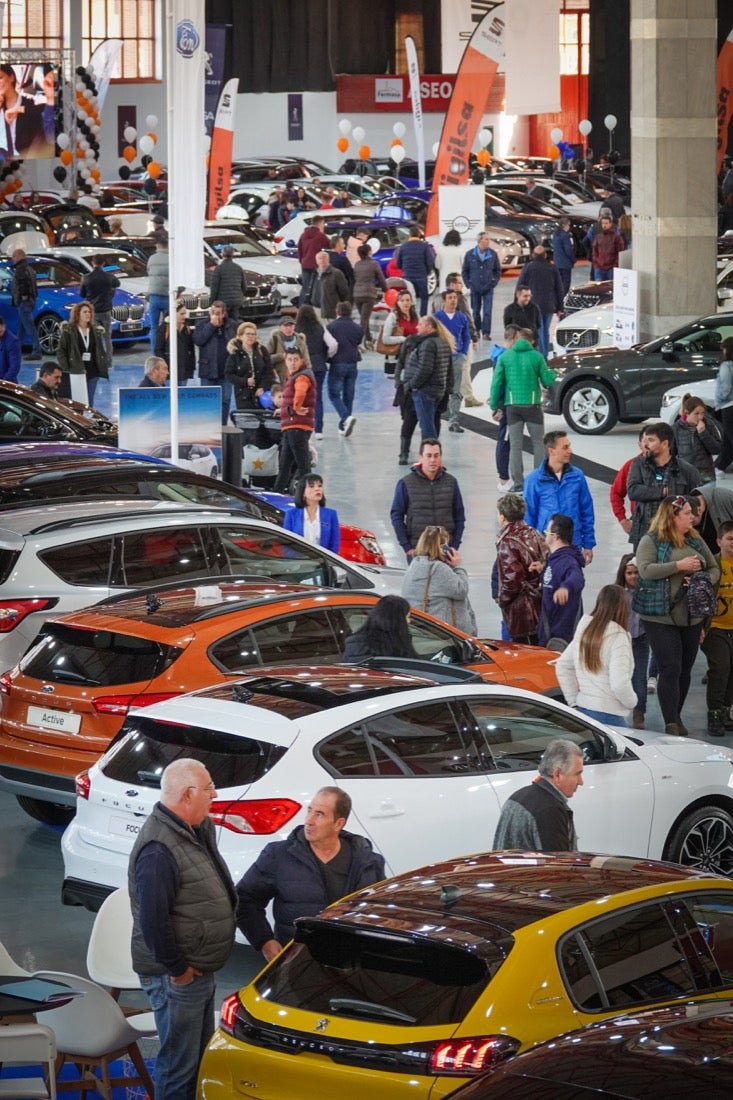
273 266
598 358
680 750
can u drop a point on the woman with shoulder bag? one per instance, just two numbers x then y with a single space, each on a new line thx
675 568
437 583
724 402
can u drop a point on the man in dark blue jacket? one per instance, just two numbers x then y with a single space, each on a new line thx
317 865
342 374
481 272
563 253
9 354
416 259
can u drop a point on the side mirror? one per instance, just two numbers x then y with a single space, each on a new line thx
667 349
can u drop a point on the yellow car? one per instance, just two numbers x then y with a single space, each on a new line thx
418 984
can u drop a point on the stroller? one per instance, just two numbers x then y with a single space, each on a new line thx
261 446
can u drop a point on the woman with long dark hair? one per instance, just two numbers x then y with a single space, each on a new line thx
596 669
385 633
184 341
449 257
321 346
368 281
310 518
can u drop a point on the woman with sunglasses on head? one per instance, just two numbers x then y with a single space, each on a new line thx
437 583
667 556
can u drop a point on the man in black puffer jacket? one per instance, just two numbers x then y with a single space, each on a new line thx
317 865
428 374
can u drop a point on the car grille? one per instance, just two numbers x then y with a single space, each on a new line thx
581 301
263 291
128 313
577 337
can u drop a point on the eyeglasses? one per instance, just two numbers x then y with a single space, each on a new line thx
678 504
208 787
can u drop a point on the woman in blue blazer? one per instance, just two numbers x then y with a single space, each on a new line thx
311 518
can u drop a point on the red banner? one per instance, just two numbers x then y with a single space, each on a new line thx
220 154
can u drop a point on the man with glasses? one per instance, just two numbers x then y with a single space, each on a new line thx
654 475
183 907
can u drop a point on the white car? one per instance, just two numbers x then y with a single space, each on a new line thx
672 399
585 328
196 457
254 255
128 268
428 769
61 557
289 235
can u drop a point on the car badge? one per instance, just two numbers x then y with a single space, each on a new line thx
131 794
48 688
321 1025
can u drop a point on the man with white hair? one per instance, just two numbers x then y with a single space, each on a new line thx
537 818
183 907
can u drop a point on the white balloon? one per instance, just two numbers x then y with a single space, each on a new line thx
398 153
89 154
82 115
485 135
345 126
129 134
555 135
146 145
585 126
610 122
399 129
374 244
151 122
436 147
62 141
359 133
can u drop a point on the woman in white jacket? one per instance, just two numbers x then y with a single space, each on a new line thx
596 669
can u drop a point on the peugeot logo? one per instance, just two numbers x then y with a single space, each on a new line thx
321 1025
48 688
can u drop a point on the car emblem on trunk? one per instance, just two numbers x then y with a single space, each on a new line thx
321 1025
48 688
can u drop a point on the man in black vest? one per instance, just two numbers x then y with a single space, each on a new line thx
183 907
427 496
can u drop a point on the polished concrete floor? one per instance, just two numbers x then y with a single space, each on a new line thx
360 474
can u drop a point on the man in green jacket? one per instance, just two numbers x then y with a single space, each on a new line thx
519 374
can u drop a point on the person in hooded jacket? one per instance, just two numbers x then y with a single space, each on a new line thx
437 583
519 548
318 864
562 583
698 437
248 367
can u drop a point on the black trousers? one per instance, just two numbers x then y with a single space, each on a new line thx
718 648
675 648
295 459
726 455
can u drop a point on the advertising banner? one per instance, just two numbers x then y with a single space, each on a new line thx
216 41
28 109
145 423
532 46
186 142
413 71
222 142
625 307
725 91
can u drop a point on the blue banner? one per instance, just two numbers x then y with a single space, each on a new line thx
216 38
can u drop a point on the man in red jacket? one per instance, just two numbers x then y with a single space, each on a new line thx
312 241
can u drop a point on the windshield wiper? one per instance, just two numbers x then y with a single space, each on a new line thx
369 1008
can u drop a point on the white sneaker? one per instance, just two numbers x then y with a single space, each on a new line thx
503 486
348 425
319 435
719 474
651 685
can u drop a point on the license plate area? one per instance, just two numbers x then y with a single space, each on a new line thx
45 718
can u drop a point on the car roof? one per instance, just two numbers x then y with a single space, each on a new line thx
513 889
48 518
30 454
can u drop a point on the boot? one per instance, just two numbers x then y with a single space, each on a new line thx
716 727
675 729
638 720
404 459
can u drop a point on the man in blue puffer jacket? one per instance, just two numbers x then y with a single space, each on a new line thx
317 865
481 272
416 259
558 486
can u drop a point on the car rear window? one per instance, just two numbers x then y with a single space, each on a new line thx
8 559
145 746
367 975
68 655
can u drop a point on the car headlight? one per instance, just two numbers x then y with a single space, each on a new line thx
669 399
371 545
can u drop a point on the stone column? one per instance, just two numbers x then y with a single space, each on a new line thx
673 64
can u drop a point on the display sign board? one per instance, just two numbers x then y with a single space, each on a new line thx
625 307
145 417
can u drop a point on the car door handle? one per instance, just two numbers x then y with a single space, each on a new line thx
387 809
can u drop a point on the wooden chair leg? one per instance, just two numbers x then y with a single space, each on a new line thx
139 1063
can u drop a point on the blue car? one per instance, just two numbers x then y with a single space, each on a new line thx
58 291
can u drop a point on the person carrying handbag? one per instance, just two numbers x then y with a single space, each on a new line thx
437 583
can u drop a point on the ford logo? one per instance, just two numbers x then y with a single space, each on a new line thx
132 794
48 688
187 38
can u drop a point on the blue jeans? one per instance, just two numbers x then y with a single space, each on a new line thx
425 411
27 324
602 272
543 336
482 302
604 716
566 275
421 292
640 650
341 387
157 309
184 1016
92 388
320 377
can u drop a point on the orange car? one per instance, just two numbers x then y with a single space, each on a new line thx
67 698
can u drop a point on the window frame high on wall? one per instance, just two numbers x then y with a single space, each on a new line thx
138 24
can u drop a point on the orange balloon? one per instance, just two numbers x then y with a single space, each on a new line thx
129 153
153 137
153 169
395 141
65 156
96 175
483 157
342 144
364 152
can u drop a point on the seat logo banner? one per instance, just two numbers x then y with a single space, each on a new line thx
474 79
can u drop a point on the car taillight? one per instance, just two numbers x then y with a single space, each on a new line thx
82 785
13 612
371 545
6 683
229 1010
467 1057
278 237
120 704
259 815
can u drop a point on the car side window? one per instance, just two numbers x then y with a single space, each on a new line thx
432 642
270 553
345 621
85 563
304 637
713 917
630 958
519 731
18 421
429 739
157 556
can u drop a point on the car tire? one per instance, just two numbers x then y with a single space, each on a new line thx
48 326
589 408
703 840
50 813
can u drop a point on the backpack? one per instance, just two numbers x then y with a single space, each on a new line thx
702 599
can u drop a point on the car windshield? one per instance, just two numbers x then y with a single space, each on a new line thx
243 246
124 265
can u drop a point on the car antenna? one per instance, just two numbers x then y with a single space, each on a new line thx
152 603
450 896
241 693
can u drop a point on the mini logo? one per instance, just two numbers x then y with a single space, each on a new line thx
187 38
48 688
321 1025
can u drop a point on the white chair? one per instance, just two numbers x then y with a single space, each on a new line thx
9 966
28 1045
109 954
91 1032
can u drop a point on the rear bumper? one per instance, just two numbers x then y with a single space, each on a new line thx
41 785
88 894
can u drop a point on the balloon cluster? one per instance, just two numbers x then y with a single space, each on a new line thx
10 180
358 135
145 145
88 127
483 156
397 153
